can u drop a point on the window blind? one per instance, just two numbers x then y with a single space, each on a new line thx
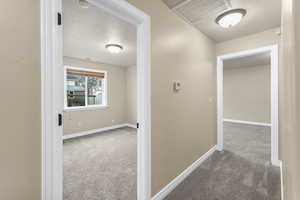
85 73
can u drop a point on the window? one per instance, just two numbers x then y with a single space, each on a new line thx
84 88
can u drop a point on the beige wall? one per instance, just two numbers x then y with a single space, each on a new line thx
247 93
131 95
266 38
114 114
20 119
179 52
183 123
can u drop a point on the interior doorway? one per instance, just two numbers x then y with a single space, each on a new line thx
100 104
53 92
272 54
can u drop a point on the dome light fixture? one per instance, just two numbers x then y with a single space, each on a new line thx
83 3
114 48
231 18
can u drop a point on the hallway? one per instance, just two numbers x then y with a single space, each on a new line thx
241 172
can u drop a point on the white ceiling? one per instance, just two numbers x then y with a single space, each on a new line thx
88 30
261 15
249 61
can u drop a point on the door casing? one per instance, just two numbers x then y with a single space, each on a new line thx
52 94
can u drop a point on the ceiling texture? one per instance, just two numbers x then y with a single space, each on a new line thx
261 15
261 59
88 30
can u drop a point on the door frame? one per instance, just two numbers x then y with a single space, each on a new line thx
52 97
273 50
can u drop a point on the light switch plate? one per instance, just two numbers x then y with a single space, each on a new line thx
177 86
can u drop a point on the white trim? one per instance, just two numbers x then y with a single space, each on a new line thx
85 69
247 122
91 107
180 178
281 179
51 100
273 50
248 52
52 80
131 126
93 131
220 104
274 105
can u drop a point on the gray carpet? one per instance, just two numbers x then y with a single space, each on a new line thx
248 141
101 166
241 172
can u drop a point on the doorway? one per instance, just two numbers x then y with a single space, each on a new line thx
52 72
272 51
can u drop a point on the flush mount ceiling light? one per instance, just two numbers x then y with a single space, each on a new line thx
231 18
83 3
114 48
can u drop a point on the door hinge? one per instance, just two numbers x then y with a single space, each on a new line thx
59 18
60 120
137 125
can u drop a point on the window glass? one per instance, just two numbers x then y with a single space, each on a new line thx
95 90
75 90
84 88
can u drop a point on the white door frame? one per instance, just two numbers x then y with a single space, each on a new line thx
273 50
52 96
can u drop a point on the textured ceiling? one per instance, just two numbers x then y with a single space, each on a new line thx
88 30
249 61
262 15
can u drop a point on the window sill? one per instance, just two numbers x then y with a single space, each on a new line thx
70 109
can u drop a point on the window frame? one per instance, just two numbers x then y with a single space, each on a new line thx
86 107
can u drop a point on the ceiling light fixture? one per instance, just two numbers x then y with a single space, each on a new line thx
231 18
114 48
83 3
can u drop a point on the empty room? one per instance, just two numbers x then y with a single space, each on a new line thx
247 123
247 107
100 136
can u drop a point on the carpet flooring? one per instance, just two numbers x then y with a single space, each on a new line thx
101 166
241 172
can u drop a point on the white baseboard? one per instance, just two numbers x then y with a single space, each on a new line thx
175 182
246 122
89 132
276 163
281 179
131 125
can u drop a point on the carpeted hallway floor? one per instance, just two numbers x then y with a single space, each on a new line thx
241 172
101 166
